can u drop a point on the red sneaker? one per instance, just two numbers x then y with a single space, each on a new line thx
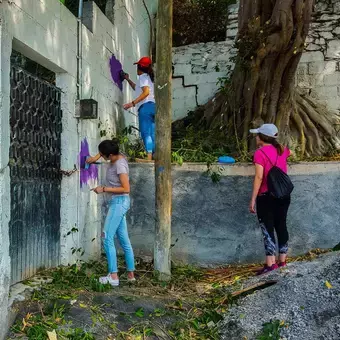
282 264
267 269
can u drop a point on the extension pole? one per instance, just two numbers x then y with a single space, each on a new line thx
163 91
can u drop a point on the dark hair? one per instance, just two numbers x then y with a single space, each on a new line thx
273 141
109 147
147 70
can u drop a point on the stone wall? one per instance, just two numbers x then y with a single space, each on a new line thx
318 72
211 224
196 66
197 69
46 32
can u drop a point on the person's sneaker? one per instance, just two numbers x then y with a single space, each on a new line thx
267 269
133 280
282 264
109 280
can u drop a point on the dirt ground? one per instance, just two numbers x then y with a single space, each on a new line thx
75 306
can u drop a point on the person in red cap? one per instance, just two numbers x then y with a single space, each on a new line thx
145 103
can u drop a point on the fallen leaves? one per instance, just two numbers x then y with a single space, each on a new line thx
328 285
25 321
52 335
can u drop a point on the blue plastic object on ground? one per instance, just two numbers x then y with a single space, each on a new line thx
226 160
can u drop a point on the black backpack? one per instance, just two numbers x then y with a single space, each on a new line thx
279 183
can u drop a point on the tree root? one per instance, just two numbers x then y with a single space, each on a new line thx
311 126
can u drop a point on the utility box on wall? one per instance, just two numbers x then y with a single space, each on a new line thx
86 109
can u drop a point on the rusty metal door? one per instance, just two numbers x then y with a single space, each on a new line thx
35 120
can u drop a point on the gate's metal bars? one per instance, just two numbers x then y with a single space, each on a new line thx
35 120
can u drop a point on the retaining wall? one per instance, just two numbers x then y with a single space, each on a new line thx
211 224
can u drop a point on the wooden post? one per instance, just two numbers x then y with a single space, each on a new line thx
163 182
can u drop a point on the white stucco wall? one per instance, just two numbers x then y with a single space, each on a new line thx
5 45
318 73
45 31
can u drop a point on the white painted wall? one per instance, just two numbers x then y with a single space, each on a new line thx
5 45
318 74
45 31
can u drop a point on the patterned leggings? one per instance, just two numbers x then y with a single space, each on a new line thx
272 216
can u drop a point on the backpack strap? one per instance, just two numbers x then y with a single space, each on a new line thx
277 157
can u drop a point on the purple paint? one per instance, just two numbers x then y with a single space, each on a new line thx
90 174
115 69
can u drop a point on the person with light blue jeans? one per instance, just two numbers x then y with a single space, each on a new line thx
146 115
117 177
145 103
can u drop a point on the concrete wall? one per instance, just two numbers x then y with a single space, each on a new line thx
212 222
318 73
45 31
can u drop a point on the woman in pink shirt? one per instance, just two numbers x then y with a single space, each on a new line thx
271 211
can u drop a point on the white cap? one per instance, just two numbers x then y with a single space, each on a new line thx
269 130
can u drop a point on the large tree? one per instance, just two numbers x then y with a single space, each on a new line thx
270 42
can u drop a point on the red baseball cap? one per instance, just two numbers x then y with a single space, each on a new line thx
144 62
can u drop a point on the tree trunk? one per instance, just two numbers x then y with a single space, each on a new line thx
270 43
163 140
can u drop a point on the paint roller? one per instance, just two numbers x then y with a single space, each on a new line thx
84 165
122 75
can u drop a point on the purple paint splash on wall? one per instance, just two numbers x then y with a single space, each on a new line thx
90 174
115 69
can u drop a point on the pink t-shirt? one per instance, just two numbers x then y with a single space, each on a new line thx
261 159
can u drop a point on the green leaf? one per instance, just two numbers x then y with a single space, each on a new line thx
140 312
159 312
128 298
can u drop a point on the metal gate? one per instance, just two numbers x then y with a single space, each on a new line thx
35 120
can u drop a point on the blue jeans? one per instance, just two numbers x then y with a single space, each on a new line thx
146 114
115 224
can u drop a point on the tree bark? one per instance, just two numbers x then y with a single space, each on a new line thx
270 43
163 93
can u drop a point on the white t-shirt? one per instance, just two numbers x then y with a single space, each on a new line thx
143 81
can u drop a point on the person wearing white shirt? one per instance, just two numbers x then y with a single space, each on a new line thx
145 103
